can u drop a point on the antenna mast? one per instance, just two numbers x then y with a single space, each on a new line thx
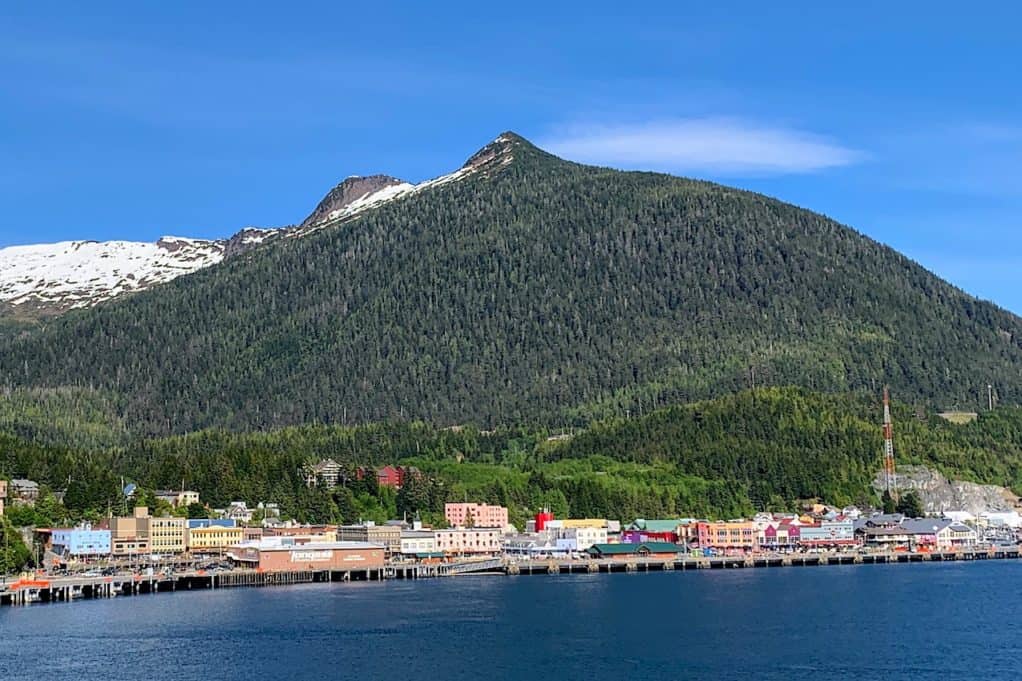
890 479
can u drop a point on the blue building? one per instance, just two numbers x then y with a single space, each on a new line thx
199 523
828 533
81 542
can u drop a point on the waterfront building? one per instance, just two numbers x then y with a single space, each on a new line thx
534 545
418 542
629 551
1010 519
281 554
213 538
578 539
387 536
729 535
129 536
828 533
82 541
956 535
469 540
643 530
475 515
167 535
783 535
889 537
177 498
142 533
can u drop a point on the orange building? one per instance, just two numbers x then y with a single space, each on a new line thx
728 535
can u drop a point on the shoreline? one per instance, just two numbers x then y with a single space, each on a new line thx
24 591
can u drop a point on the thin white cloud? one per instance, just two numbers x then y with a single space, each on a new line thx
720 146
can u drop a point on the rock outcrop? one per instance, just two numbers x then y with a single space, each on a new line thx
939 494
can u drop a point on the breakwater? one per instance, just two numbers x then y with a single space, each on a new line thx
33 589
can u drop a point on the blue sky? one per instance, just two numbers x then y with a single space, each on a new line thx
136 120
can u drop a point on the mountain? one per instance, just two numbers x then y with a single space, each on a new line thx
48 279
525 288
58 277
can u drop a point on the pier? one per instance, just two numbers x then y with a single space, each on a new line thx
38 589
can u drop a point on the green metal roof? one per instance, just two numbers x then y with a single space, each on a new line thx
627 549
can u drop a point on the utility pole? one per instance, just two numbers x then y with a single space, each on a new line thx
990 397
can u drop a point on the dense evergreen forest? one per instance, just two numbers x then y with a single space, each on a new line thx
760 449
535 291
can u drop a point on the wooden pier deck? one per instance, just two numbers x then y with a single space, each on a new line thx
24 590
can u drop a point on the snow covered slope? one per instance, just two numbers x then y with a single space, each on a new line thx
74 274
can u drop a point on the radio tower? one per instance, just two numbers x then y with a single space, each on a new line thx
890 479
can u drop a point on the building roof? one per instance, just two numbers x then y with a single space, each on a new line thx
628 549
925 525
417 534
667 525
24 483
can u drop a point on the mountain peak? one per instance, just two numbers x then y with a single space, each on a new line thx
349 193
500 152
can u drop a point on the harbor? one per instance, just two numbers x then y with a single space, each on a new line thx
40 589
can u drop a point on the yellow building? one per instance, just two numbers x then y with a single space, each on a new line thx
167 535
213 539
580 523
142 533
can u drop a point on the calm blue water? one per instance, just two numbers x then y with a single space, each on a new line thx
870 622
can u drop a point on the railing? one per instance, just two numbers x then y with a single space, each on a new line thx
473 566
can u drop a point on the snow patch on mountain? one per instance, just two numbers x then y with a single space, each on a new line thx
73 274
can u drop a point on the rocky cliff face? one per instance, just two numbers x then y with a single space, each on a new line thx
352 191
939 494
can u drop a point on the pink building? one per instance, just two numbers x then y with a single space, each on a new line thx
475 515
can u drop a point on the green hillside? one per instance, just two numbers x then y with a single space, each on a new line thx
531 291
762 449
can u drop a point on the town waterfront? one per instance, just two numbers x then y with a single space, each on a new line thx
871 621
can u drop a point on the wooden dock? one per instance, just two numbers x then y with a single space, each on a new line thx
634 564
33 589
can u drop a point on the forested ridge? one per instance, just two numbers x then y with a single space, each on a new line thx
536 291
760 449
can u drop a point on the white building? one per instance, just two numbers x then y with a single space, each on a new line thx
959 516
417 541
1001 519
535 545
578 539
238 511
956 534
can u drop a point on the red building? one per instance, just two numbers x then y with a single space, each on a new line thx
390 476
